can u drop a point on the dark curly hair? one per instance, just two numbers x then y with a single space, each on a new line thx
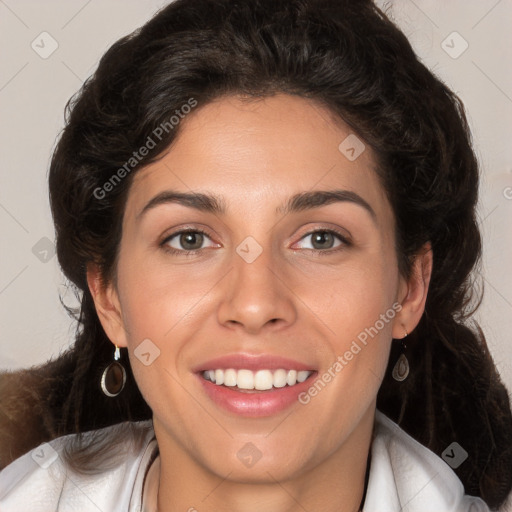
349 57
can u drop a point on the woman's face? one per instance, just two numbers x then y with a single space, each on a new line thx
289 267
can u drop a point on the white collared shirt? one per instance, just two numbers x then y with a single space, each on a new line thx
405 476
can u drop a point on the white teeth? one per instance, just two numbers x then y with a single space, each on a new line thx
291 377
261 380
219 377
279 379
302 376
230 377
245 379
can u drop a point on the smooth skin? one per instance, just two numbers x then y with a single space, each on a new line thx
306 297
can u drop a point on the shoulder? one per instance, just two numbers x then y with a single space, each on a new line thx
41 480
407 476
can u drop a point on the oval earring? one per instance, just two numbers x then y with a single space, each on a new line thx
401 368
113 377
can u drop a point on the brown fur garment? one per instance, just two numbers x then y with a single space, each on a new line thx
25 422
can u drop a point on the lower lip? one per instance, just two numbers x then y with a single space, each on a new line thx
257 404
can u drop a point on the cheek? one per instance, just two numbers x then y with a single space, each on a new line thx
359 307
160 304
156 296
351 298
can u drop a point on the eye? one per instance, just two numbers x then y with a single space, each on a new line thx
324 239
190 240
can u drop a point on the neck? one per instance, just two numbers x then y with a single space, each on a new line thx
337 484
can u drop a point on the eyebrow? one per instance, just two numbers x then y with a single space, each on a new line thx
299 202
197 200
317 198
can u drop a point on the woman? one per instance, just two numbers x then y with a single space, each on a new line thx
254 199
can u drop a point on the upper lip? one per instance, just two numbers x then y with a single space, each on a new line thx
254 362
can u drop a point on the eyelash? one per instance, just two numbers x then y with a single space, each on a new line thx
344 242
183 252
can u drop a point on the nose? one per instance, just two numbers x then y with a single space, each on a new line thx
256 295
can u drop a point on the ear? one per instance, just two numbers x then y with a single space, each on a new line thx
108 306
413 293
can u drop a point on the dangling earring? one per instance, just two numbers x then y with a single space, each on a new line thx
113 378
401 368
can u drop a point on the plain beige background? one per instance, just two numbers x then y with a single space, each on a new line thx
466 43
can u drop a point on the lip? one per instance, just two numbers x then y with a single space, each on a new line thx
255 404
253 362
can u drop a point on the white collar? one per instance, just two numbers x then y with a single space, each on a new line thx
406 476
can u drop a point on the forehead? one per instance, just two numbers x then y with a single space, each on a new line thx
269 148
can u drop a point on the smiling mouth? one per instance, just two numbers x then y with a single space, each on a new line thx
253 381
